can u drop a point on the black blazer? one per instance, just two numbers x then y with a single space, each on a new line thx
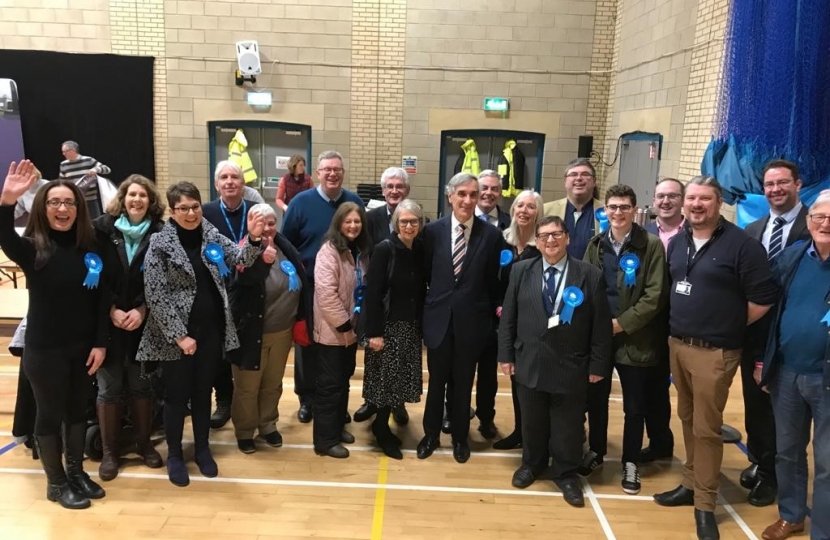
378 222
797 232
470 304
556 360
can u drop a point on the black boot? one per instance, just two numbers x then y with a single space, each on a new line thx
384 436
74 439
57 487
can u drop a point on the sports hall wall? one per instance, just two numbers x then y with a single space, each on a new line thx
569 67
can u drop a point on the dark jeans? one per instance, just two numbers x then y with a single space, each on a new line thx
597 409
111 378
305 372
190 380
759 420
658 416
801 402
335 366
636 383
60 384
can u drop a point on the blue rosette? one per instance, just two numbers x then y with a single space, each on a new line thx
629 263
826 319
94 266
359 291
505 257
215 254
289 270
572 297
602 218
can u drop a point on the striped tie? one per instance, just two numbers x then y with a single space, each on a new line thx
775 239
459 249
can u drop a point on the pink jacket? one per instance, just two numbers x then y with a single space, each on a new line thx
335 280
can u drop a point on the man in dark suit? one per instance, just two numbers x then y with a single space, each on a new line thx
554 355
488 208
228 214
394 183
785 225
462 269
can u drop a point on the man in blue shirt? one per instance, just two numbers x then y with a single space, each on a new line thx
578 208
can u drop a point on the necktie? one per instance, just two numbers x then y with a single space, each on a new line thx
776 238
459 249
484 217
550 290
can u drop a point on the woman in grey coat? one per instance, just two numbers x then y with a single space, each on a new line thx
189 326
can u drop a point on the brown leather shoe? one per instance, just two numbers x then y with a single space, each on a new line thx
782 529
109 420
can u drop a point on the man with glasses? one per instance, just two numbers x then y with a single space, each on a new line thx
578 208
668 205
306 222
785 225
796 372
555 339
720 283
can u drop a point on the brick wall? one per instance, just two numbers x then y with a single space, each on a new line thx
56 25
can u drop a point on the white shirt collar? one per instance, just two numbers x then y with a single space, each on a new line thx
494 213
560 266
455 222
788 216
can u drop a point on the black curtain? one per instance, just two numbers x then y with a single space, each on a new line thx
104 102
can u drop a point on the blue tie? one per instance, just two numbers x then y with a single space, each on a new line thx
548 297
484 217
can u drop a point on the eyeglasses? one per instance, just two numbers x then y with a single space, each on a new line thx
669 196
409 222
611 208
196 208
818 219
545 236
779 184
572 175
56 203
331 170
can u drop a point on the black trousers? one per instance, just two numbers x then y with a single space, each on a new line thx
551 426
487 384
759 421
305 372
335 366
597 409
446 363
25 408
637 401
223 383
189 380
61 386
658 416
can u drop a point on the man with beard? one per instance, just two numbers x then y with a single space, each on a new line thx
578 207
720 283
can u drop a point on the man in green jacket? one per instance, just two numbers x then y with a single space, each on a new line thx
634 265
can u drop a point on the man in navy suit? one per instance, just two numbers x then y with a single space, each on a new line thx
462 268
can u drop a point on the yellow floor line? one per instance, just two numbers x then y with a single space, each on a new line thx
380 500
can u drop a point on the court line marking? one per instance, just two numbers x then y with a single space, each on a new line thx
380 499
603 520
738 519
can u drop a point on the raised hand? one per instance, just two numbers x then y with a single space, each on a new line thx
20 178
256 224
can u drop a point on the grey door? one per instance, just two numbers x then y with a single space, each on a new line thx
640 164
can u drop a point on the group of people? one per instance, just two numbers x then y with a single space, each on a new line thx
556 295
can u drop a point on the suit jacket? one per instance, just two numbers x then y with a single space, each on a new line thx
378 222
559 359
470 303
557 208
797 232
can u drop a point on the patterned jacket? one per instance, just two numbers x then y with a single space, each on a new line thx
170 289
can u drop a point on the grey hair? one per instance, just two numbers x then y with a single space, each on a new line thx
511 234
226 164
72 145
823 198
263 209
394 172
707 181
486 173
329 154
407 205
459 180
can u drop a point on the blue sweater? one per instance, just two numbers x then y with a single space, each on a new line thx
307 221
803 337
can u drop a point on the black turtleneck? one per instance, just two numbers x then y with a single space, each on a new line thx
207 313
62 312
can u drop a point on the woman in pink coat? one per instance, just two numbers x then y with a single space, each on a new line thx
339 284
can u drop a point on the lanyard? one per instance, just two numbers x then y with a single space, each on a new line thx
358 271
559 283
235 238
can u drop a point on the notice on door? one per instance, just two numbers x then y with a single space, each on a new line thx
410 164
282 162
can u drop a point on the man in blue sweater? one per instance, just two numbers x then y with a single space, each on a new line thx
796 372
306 222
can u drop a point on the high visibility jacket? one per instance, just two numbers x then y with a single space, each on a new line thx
238 153
471 164
511 169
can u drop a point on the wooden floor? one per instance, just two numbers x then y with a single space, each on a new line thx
292 493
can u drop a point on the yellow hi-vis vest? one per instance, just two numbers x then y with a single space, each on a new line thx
471 164
238 153
508 170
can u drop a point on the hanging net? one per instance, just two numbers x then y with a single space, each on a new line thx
775 95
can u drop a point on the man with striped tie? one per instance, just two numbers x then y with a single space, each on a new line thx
462 269
785 225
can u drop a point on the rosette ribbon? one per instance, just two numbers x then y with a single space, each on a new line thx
826 319
289 270
572 297
602 218
505 257
216 255
94 265
359 291
629 263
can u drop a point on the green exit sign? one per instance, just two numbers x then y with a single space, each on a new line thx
499 104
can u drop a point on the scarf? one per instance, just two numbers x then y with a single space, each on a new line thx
133 234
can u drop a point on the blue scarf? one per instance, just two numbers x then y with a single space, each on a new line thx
132 234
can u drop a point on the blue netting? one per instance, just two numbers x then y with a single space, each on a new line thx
775 94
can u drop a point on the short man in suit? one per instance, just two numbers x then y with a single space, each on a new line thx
462 268
394 182
553 354
785 225
578 207
228 214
